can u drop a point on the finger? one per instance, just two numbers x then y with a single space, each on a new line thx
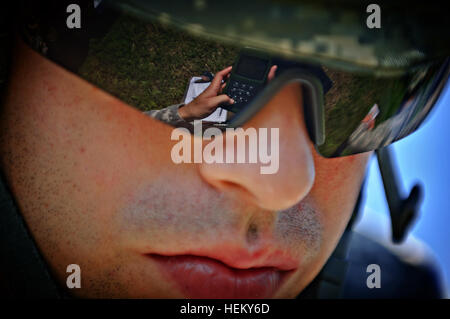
220 99
271 74
218 77
224 84
225 71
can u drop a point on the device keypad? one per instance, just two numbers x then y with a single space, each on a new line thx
241 92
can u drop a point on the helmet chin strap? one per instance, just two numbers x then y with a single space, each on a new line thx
403 211
24 272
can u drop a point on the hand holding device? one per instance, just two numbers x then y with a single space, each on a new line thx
249 75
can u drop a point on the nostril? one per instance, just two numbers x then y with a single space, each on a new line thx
237 188
229 185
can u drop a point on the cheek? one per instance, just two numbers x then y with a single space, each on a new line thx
115 150
96 158
336 188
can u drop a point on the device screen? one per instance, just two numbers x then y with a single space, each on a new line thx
252 67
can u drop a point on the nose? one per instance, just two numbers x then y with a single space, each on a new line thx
295 175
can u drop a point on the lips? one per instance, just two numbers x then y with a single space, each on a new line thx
204 277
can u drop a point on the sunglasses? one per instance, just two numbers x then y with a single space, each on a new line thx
150 66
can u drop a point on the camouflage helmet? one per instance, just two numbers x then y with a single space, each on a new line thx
322 31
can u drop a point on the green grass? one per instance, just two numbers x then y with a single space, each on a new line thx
149 66
349 101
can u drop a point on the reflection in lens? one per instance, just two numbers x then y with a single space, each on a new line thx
364 113
150 66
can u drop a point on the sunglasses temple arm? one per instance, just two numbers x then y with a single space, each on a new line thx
403 211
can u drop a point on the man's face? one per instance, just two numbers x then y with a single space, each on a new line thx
95 182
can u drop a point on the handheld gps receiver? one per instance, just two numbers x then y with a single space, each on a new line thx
248 77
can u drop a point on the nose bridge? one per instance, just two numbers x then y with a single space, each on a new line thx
283 172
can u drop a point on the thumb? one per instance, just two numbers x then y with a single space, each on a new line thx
220 99
271 74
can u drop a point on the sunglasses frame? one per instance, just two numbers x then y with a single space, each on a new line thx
313 101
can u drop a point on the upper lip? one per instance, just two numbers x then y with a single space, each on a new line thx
244 259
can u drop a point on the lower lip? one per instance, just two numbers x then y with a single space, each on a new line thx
206 278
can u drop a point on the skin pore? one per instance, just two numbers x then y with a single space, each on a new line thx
95 182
